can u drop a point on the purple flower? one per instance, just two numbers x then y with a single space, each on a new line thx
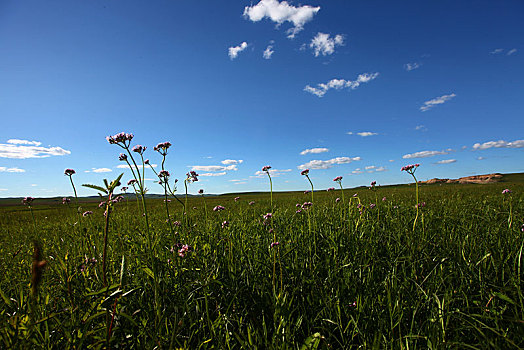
268 216
192 176
337 200
306 191
252 202
131 182
304 172
306 205
274 244
266 168
338 179
383 199
355 195
331 189
410 168
122 157
421 205
298 211
87 213
163 174
297 205
69 172
506 191
100 205
373 183
225 224
162 148
28 200
372 205
123 189
66 200
218 208
139 149
201 191
236 199
119 138
184 250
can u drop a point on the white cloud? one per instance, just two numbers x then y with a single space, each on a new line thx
436 101
357 171
231 161
240 183
4 189
373 168
323 44
391 160
280 12
314 151
237 180
213 174
511 52
421 128
446 161
233 51
214 168
496 51
481 158
411 66
3 169
268 52
100 170
366 133
326 164
425 154
22 149
338 84
125 166
272 172
499 144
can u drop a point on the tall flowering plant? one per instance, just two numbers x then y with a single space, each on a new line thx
410 169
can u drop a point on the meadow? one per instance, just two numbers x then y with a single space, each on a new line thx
336 269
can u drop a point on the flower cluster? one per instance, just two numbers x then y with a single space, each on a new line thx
372 205
331 189
119 138
266 168
192 176
506 191
274 244
87 213
236 199
131 182
162 147
88 263
122 157
69 172
139 149
123 189
28 200
251 203
306 205
66 200
268 216
218 208
337 200
421 205
304 172
338 179
225 224
410 168
164 175
201 191
373 183
184 250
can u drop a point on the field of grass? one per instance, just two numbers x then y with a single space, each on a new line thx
339 274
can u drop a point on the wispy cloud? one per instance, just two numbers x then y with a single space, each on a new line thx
231 161
496 51
314 151
4 169
374 168
233 51
280 12
411 66
499 144
511 52
99 170
446 161
22 149
357 171
421 128
323 44
499 51
272 172
338 84
213 174
481 158
125 166
326 164
4 189
425 154
436 101
214 168
268 52
362 133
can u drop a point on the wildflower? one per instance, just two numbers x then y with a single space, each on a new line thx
236 199
201 191
372 205
218 208
225 224
69 172
177 223
162 148
298 211
118 199
266 168
410 168
252 202
87 213
146 161
119 138
506 191
355 195
99 205
337 200
192 176
353 304
66 200
304 172
268 216
163 174
297 205
131 182
306 191
28 200
421 205
359 206
167 200
306 205
383 199
274 244
184 250
522 228
123 189
330 189
139 149
122 157
395 207
373 183
338 179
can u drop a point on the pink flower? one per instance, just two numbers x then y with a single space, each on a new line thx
201 191
252 202
331 189
410 168
337 200
87 213
218 208
268 216
338 179
306 205
28 200
266 168
122 157
162 148
139 149
304 172
66 200
373 184
225 224
69 172
119 138
131 182
372 205
192 176
236 199
306 192
274 244
506 191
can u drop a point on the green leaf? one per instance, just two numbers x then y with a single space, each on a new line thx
95 187
148 271
505 298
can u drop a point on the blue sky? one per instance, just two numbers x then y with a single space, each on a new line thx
350 88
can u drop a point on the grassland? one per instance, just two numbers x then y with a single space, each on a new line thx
339 277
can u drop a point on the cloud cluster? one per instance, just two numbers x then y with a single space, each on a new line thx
272 172
232 161
214 168
280 12
425 154
499 144
411 66
268 52
22 149
99 170
446 161
373 168
233 51
314 151
323 44
363 133
212 174
4 169
338 84
498 51
436 101
326 164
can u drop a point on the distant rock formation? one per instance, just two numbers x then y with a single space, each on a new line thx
476 179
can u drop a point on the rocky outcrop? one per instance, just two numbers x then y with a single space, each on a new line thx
476 179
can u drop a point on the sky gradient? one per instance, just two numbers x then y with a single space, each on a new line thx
351 88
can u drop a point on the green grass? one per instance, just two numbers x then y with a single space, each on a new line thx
357 280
